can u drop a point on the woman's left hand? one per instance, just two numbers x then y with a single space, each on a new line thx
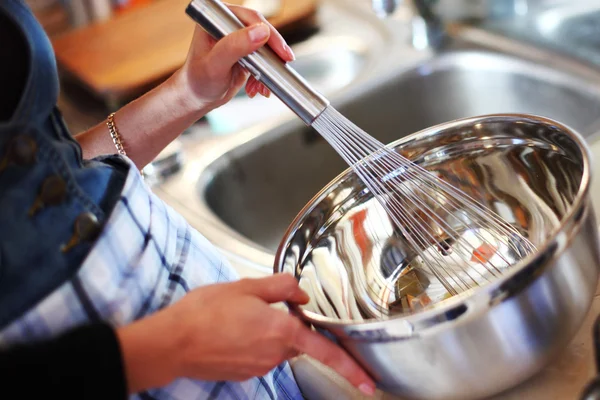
211 75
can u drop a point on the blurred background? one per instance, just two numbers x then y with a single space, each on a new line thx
111 51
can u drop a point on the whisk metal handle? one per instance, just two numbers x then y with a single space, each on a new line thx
266 66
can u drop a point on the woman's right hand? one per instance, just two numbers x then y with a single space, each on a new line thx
228 332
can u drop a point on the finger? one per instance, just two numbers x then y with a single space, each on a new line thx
251 82
253 87
260 87
276 288
263 90
226 53
239 77
276 41
323 350
250 87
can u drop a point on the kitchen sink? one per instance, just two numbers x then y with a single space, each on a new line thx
566 27
243 189
257 189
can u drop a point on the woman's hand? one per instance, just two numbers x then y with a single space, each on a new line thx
228 332
211 75
209 78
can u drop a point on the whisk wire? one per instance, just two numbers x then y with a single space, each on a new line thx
399 217
434 182
420 221
410 194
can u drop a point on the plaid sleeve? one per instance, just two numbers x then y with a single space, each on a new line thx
146 258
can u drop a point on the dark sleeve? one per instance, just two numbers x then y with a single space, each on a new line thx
14 66
85 363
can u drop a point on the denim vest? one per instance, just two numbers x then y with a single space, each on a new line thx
52 202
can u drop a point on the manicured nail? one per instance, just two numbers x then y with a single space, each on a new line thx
256 89
259 32
264 91
250 89
367 389
290 52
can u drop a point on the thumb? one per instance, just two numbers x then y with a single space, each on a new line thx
226 53
276 288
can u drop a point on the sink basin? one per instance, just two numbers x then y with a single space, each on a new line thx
566 27
257 188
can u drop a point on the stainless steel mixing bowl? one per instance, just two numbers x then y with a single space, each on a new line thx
532 171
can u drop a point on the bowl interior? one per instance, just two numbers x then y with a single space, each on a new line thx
357 265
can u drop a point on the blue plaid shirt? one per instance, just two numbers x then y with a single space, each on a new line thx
146 258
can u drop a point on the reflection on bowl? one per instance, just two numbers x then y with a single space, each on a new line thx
347 254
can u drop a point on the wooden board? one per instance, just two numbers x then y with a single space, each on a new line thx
132 52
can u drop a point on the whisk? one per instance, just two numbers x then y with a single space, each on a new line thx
454 238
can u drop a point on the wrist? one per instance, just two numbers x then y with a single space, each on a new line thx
150 353
187 99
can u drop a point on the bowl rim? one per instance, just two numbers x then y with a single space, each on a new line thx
557 240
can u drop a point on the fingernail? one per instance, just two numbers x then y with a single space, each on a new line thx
253 88
249 87
290 52
367 389
259 32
